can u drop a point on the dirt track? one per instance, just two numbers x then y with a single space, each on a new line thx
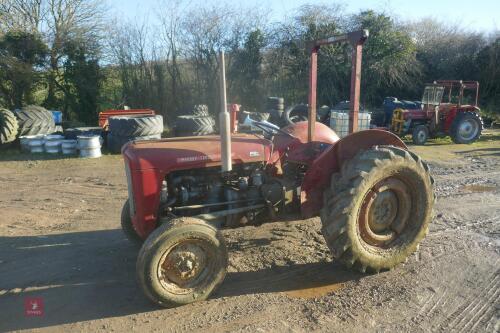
59 240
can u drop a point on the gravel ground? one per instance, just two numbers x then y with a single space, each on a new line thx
60 241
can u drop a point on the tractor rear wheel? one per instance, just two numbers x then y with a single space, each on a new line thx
181 262
420 134
127 227
378 209
466 127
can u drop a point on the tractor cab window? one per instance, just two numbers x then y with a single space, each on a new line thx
469 97
432 95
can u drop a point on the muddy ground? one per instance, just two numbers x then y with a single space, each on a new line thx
60 241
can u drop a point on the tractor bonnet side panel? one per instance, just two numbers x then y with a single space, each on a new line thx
318 176
194 152
148 162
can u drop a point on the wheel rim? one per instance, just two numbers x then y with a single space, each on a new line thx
468 129
186 265
421 136
384 212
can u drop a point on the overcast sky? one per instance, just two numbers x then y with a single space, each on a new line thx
480 15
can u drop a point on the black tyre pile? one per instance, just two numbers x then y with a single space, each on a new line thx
8 126
275 108
196 122
74 133
123 129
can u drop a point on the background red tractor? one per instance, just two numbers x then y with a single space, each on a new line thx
448 108
374 197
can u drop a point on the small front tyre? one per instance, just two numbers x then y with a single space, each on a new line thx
181 262
127 227
420 134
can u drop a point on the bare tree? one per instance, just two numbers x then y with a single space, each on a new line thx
66 20
170 17
23 15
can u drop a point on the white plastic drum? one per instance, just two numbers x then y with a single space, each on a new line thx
36 145
89 146
68 147
25 140
53 143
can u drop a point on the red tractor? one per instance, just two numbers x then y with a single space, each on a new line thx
375 197
448 108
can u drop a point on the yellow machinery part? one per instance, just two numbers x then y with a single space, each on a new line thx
398 122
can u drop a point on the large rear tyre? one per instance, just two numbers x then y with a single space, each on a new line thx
378 209
8 126
466 127
136 125
127 227
35 120
181 262
194 125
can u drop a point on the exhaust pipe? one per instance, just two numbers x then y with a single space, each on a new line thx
224 120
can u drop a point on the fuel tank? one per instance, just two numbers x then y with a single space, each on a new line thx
194 152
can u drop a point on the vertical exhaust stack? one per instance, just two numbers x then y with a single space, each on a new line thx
224 120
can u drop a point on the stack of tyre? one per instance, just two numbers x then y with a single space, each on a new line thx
197 121
276 107
28 121
75 132
123 129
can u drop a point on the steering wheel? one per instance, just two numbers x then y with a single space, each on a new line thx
296 113
271 129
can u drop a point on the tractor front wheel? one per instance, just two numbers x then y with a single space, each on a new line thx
420 134
127 227
378 209
466 127
181 262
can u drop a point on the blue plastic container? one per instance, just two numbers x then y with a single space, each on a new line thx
57 115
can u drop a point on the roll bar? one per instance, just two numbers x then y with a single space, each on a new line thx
356 39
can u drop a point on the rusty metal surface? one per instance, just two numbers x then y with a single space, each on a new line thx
384 212
318 176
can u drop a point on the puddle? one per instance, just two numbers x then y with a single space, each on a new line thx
478 188
313 292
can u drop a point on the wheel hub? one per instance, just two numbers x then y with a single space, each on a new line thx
384 212
421 136
467 129
183 264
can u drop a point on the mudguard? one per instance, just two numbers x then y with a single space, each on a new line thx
319 174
